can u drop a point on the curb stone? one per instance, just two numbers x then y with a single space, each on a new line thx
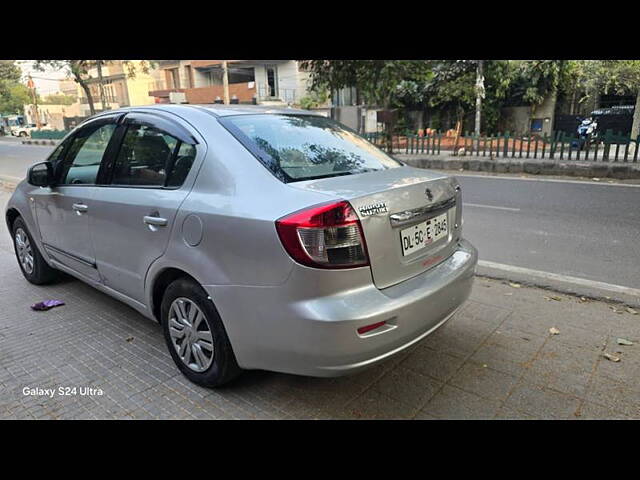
535 167
39 142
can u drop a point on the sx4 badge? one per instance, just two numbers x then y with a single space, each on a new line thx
373 209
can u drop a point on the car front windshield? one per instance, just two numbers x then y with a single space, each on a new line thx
304 147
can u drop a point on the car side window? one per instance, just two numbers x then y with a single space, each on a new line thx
85 155
182 165
152 158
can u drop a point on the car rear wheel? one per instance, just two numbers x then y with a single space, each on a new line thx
23 134
195 335
33 266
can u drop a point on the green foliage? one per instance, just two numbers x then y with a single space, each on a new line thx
531 81
13 95
377 81
9 71
58 100
449 85
314 99
79 71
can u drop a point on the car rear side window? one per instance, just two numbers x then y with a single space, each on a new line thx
152 158
304 147
85 154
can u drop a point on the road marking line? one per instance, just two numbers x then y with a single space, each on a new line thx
554 180
562 278
465 204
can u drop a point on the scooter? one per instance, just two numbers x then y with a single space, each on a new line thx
587 132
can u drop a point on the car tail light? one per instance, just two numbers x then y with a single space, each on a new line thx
324 236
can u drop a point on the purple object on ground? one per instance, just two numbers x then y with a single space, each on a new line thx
47 304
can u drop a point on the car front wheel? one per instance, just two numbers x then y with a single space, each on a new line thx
195 335
33 266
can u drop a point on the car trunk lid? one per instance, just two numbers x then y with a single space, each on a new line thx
391 201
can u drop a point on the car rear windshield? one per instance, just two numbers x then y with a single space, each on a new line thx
305 147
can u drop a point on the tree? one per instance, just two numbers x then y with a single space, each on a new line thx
13 98
79 71
13 94
623 78
480 93
377 81
591 78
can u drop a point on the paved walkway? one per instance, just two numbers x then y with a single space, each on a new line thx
495 359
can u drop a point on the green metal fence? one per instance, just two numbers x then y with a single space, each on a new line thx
609 147
49 134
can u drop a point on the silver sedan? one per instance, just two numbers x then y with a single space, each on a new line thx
259 239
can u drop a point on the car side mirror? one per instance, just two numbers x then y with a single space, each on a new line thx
41 175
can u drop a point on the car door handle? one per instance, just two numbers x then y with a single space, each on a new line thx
80 208
156 221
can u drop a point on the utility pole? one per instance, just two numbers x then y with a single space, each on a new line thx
225 82
479 97
100 85
32 87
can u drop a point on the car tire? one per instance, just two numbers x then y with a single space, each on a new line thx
32 264
189 335
23 134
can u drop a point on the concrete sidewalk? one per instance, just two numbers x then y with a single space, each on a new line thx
589 169
495 359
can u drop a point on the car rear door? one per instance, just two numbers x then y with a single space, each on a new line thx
63 211
140 192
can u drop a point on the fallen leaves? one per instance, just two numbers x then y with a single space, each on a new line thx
624 341
554 297
632 311
129 339
610 357
554 331
515 285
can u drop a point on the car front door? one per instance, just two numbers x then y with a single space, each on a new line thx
134 208
63 210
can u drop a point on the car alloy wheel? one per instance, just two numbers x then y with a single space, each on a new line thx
191 335
25 253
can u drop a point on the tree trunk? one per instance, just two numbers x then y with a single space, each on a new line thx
479 96
101 85
458 131
635 127
87 91
77 68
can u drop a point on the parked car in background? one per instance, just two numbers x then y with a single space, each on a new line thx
271 239
26 130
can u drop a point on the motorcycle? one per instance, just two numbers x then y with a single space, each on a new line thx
587 132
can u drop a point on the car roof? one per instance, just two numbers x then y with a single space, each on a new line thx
217 110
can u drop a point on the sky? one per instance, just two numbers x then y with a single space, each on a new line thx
46 82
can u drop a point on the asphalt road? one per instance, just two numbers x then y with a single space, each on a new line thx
15 158
585 230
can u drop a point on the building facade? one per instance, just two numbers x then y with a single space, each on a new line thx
278 82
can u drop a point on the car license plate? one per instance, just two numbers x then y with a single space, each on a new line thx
419 236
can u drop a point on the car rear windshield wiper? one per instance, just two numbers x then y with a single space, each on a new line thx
317 177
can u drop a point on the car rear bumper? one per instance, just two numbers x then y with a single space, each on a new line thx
272 330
